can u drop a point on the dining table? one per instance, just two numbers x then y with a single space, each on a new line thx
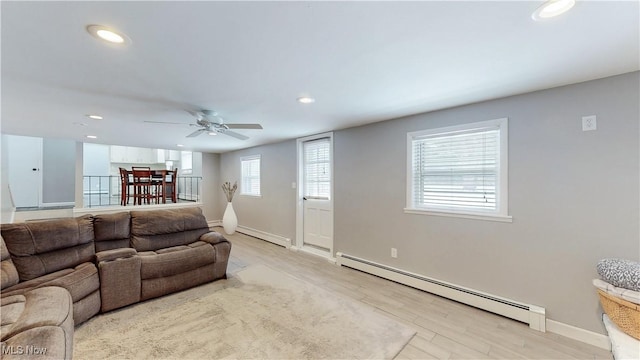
161 175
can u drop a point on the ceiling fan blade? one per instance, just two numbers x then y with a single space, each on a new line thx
164 122
234 134
195 114
243 126
197 132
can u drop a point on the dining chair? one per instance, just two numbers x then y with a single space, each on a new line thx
158 178
171 182
125 186
142 185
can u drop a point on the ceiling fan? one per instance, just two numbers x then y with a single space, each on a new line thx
209 122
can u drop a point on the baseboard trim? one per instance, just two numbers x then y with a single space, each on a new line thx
579 334
309 250
214 223
56 204
263 235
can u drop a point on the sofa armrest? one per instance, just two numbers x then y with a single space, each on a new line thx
109 255
120 282
212 237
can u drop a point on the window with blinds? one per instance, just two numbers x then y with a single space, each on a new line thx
250 177
459 169
317 169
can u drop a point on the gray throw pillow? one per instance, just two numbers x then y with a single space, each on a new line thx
621 273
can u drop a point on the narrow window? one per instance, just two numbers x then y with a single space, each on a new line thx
250 177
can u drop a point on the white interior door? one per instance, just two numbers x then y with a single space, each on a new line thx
25 175
317 203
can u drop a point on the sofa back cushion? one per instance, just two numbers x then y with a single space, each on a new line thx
42 247
157 229
112 231
9 274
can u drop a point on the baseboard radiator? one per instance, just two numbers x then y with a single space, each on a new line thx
530 314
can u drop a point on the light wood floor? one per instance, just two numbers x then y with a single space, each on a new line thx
445 329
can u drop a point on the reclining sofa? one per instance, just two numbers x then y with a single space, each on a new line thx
59 273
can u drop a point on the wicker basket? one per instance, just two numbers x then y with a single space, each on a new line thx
625 314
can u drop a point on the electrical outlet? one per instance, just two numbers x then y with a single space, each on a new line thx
588 123
394 252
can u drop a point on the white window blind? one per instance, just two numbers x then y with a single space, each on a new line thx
250 177
317 169
459 169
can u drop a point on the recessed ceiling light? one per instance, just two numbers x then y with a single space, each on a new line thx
552 8
306 100
92 137
179 145
107 34
212 133
95 117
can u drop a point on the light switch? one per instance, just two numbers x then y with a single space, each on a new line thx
293 185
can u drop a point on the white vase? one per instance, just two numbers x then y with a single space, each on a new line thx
229 219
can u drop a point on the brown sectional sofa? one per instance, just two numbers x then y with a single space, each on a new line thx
104 262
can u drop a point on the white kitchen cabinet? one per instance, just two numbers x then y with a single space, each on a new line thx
132 155
173 155
118 154
160 156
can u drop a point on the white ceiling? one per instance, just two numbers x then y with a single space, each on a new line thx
249 61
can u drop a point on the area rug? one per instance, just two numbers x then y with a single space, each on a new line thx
260 313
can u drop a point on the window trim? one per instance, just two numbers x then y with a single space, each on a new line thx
242 189
502 200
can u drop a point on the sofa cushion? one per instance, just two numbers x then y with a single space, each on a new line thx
12 308
44 247
48 306
158 229
79 282
42 320
8 273
111 231
173 261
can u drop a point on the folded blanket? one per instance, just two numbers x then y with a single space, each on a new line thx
626 294
623 346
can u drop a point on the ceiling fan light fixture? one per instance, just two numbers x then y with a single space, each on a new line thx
109 35
212 133
552 8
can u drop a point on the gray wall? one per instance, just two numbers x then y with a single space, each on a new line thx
274 211
574 197
211 190
58 171
6 204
